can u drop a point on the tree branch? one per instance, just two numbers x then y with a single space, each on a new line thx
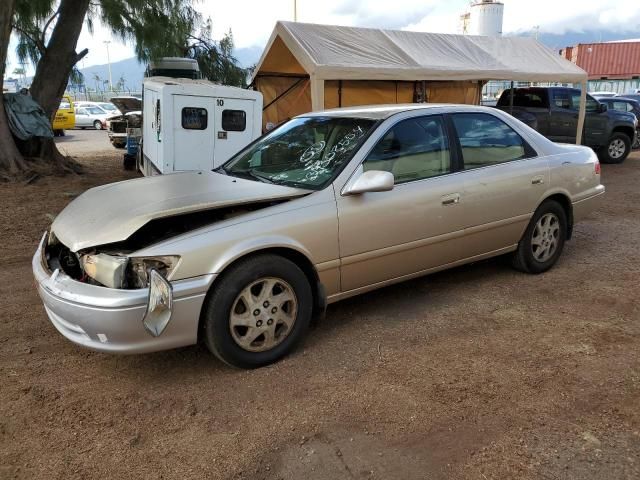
46 26
82 54
39 45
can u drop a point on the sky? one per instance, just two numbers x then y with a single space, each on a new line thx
252 21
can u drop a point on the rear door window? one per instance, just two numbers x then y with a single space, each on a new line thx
561 99
486 140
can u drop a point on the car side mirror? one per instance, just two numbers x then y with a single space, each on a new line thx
602 108
370 181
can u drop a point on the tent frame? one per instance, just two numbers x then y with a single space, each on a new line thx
287 31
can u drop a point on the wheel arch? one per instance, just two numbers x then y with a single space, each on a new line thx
628 131
290 252
565 201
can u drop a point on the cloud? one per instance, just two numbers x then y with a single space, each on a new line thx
252 21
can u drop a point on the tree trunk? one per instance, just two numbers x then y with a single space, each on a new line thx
52 76
54 68
11 161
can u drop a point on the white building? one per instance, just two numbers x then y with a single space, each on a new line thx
485 18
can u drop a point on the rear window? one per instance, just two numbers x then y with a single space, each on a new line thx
234 120
194 118
524 98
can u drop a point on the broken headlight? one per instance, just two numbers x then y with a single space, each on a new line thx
139 268
159 305
118 271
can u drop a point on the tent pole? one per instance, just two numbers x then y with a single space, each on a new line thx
317 93
511 99
582 111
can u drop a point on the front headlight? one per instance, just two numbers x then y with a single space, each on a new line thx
116 271
139 268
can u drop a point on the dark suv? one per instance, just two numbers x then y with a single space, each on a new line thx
553 111
624 104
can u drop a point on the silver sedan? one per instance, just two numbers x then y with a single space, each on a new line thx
328 205
91 116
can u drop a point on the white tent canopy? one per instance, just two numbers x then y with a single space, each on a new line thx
329 52
334 52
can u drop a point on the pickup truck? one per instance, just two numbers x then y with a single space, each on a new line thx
553 111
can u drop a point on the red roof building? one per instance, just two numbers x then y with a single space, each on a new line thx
606 61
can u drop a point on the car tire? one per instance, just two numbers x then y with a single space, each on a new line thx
542 242
617 149
97 125
257 311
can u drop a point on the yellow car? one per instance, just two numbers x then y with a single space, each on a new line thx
65 118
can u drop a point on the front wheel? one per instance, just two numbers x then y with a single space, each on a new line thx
97 125
543 240
617 149
257 311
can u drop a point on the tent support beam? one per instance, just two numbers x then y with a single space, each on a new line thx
582 111
317 94
511 99
283 94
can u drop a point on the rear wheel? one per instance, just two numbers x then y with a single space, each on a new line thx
617 149
257 312
543 240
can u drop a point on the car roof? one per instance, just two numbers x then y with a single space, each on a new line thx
381 112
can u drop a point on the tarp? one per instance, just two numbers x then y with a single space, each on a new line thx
26 118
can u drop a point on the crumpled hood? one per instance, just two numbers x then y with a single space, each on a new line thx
127 104
112 213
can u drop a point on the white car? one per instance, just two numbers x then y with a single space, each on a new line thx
91 116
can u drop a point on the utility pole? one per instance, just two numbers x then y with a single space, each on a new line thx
107 42
295 10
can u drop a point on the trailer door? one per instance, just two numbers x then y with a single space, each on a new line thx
193 128
234 127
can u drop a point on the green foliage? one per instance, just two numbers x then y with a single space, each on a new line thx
215 59
156 28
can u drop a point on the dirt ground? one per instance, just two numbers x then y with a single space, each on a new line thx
475 373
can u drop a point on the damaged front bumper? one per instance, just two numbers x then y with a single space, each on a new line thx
111 320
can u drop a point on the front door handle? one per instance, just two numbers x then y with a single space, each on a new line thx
539 180
451 199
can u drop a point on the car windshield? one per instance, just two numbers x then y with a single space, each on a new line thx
304 152
95 110
108 106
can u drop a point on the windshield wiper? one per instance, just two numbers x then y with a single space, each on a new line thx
249 175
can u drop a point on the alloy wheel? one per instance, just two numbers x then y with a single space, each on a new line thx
617 148
263 314
544 240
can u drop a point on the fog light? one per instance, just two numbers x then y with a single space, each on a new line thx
158 311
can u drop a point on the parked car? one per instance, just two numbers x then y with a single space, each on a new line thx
630 96
602 94
108 107
65 117
554 113
622 104
130 117
326 206
91 116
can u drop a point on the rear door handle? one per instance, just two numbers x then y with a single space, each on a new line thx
451 199
539 180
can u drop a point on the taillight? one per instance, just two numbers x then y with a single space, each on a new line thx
597 167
